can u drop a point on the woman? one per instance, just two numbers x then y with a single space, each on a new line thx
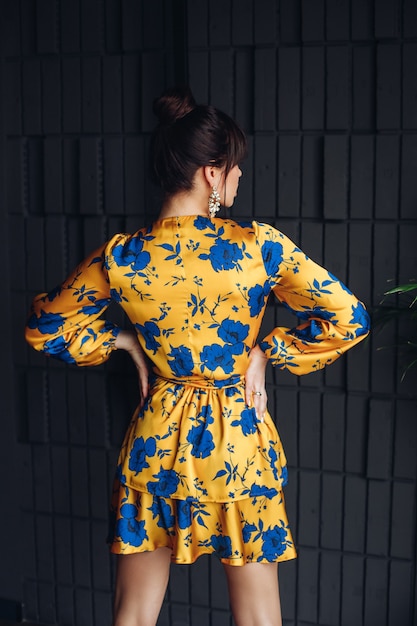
201 468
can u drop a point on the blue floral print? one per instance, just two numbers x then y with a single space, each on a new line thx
197 471
257 298
184 513
308 334
202 223
132 254
128 528
360 317
272 256
274 542
247 531
149 330
96 307
224 255
233 332
200 437
46 323
222 545
140 450
260 491
59 348
165 485
215 356
247 422
182 363
162 510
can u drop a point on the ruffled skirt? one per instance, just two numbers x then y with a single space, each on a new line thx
246 531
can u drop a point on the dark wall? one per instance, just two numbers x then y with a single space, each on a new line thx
327 92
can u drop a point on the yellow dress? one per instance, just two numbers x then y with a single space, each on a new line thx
197 471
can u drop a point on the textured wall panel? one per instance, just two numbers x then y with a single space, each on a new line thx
312 177
71 94
376 582
405 451
31 96
313 88
337 19
362 163
335 177
265 90
329 600
242 22
352 590
387 19
266 22
313 20
289 171
401 597
289 89
112 94
362 16
290 21
337 83
325 90
308 589
331 511
387 174
244 79
308 511
388 84
408 197
409 18
402 522
363 90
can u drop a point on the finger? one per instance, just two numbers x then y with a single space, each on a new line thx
255 397
144 387
143 391
260 404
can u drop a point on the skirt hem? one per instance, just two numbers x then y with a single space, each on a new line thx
240 562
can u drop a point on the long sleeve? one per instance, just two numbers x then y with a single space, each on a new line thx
65 324
331 319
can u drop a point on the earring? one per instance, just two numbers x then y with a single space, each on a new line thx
214 202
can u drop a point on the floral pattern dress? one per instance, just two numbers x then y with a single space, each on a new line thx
198 471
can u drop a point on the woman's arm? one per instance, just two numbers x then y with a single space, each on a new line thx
331 320
65 324
127 340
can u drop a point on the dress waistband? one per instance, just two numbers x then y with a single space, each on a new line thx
201 381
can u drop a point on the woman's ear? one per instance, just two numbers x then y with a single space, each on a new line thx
212 175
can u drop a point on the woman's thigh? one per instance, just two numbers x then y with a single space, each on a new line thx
141 582
254 594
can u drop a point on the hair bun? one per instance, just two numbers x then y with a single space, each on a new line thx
173 104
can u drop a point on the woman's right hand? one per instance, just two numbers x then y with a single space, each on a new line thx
255 391
127 340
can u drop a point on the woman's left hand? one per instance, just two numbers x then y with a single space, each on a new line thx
255 391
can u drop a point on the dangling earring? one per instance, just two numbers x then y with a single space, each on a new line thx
214 202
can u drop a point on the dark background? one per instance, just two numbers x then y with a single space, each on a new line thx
327 92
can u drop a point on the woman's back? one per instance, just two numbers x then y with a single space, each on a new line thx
185 284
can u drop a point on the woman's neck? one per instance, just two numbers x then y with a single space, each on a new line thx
184 203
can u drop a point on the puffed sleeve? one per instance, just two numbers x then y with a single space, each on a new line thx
65 324
331 320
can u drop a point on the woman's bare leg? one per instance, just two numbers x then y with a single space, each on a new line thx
141 582
254 594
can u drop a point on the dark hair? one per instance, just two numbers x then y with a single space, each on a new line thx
190 136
